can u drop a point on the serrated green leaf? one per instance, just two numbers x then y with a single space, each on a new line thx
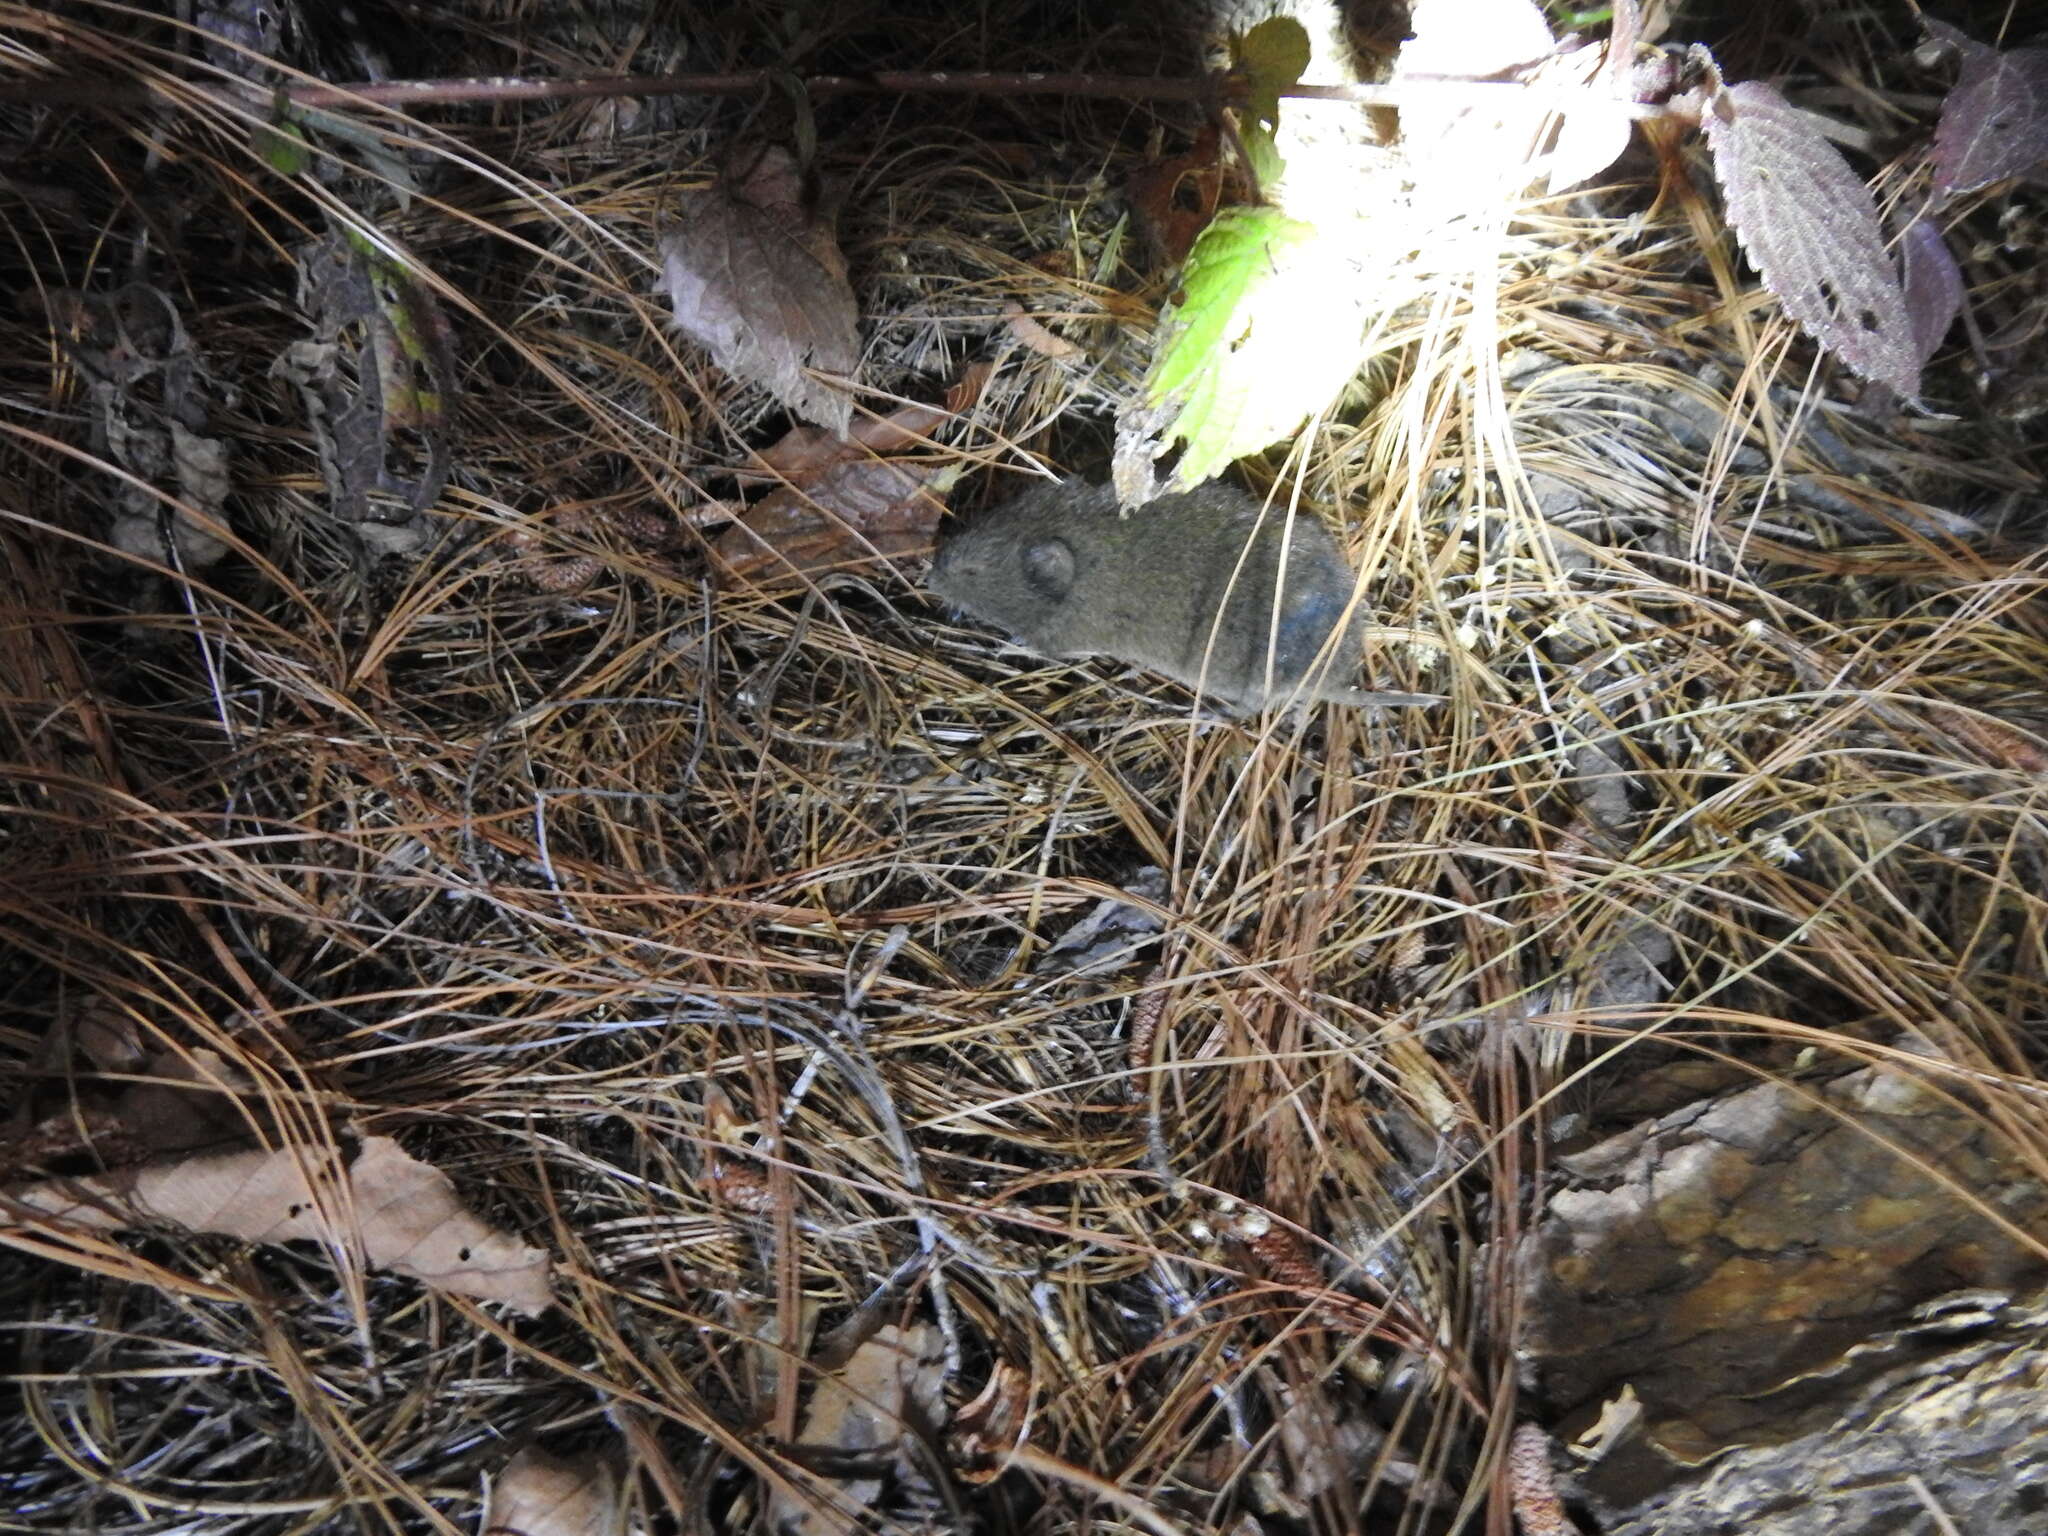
1224 268
1272 55
1263 335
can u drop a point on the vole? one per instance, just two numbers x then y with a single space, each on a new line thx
1066 576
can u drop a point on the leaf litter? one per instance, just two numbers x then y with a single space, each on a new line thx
532 866
867 1414
841 508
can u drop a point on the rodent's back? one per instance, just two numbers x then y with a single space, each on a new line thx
1060 570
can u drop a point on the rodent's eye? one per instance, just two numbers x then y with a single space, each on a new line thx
1049 567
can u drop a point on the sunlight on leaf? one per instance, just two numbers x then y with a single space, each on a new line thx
1272 55
1250 350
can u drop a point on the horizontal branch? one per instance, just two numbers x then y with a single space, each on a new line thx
1203 90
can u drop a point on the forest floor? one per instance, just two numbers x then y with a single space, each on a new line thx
549 988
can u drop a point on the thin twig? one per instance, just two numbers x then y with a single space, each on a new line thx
1220 89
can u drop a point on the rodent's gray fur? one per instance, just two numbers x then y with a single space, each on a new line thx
1066 576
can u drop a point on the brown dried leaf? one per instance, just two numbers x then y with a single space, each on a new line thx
1109 937
757 280
854 514
407 1216
192 1100
861 1408
802 452
1811 231
966 391
1175 197
151 396
1325 1449
108 1035
542 1495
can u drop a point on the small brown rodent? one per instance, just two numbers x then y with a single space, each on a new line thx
1066 576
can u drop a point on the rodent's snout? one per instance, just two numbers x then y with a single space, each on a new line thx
953 576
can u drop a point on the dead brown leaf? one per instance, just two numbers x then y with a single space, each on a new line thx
151 395
966 391
862 1409
757 280
1175 197
1325 1449
802 452
542 1495
407 1217
107 1036
856 513
170 1102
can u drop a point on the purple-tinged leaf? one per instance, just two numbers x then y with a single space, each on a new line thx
1994 123
758 281
1810 228
1933 285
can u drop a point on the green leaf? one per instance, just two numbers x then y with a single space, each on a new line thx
1262 158
1272 55
1263 334
282 147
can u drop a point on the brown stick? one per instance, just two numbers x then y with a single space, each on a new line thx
1222 89
405 93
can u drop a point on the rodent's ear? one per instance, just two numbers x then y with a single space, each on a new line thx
1049 567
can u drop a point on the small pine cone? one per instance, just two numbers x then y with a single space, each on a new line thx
1534 1486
